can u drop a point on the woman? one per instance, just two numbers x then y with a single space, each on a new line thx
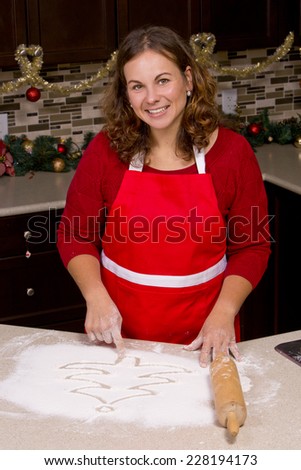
174 203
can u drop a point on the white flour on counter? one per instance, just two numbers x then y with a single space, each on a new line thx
90 382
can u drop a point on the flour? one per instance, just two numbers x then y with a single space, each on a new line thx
91 382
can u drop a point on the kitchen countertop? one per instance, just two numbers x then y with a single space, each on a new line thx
280 164
271 384
33 193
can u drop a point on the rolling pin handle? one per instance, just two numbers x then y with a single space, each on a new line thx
232 423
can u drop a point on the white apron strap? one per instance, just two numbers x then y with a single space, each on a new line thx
138 161
200 160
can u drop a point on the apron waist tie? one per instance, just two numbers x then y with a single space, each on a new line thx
158 280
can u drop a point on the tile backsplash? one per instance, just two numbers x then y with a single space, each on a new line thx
278 89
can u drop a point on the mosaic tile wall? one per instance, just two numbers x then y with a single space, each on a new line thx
278 89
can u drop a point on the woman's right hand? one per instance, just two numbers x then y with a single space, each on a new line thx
103 321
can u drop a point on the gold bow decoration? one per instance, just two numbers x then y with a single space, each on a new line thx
30 61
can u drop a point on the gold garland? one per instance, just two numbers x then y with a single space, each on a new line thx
30 70
202 43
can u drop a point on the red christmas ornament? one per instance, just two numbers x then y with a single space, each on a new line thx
33 94
254 128
62 148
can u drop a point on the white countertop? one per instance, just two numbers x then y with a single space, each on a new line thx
280 164
33 193
41 384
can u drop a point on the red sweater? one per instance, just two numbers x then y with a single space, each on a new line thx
237 181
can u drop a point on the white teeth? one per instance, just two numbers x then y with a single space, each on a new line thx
157 111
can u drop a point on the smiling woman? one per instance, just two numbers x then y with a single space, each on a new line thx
155 61
158 99
163 157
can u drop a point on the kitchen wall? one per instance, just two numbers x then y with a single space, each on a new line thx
277 88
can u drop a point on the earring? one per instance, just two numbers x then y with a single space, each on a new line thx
188 93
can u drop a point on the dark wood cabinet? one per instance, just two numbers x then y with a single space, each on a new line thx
36 289
290 20
236 25
287 253
181 15
241 25
73 31
274 306
13 29
69 31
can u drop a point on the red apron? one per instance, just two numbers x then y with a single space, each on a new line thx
163 253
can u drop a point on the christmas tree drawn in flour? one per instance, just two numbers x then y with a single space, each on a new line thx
102 380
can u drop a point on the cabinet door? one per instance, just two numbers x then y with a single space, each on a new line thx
39 292
13 30
36 289
287 258
274 305
290 20
33 232
72 30
239 25
180 15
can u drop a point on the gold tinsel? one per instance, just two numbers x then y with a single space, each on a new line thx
30 70
202 43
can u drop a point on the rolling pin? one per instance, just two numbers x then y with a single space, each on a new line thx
229 401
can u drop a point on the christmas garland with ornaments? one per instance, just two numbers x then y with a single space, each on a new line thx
260 130
19 155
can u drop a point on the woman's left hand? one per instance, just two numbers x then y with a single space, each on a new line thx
217 335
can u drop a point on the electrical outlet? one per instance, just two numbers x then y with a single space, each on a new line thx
3 125
229 101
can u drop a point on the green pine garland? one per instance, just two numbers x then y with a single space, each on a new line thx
282 132
41 153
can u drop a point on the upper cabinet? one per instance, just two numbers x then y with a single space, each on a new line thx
68 30
180 15
236 24
289 19
72 30
239 25
13 29
82 31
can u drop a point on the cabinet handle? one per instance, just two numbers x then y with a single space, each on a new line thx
27 235
30 292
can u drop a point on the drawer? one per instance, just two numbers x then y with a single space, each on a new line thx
36 285
34 232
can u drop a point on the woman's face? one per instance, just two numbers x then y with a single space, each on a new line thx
157 89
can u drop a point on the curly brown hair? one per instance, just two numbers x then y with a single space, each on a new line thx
128 134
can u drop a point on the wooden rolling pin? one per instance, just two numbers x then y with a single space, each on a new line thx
229 401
